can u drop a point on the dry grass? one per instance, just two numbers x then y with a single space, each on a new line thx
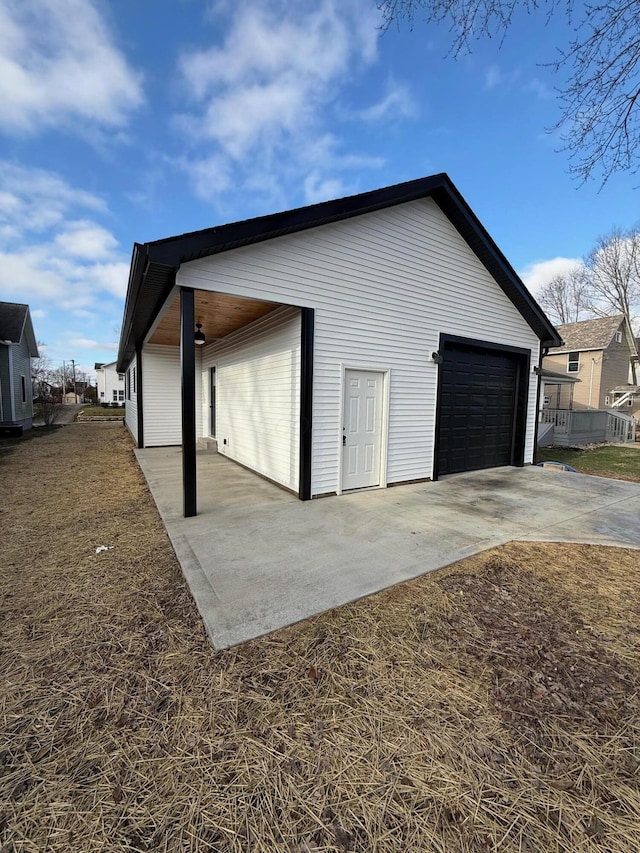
489 707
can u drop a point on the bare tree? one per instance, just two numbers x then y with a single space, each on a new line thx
600 97
40 371
612 271
565 298
47 408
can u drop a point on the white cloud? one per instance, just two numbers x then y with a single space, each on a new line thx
85 239
259 100
89 343
318 188
397 103
493 77
540 89
49 255
113 277
59 63
36 200
540 273
84 343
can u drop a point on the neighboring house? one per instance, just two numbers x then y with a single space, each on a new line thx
17 347
373 340
110 383
602 354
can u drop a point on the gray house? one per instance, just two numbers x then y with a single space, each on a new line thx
17 347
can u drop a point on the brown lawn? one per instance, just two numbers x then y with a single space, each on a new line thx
490 706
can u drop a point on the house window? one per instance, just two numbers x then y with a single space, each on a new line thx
128 385
121 377
573 362
134 380
102 393
618 337
23 383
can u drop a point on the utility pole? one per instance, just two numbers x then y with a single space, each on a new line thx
75 388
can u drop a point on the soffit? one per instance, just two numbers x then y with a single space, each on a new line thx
219 313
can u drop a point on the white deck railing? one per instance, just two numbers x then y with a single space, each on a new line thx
589 425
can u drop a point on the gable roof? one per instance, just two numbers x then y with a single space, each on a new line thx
588 334
15 321
154 264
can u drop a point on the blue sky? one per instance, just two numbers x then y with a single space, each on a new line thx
125 121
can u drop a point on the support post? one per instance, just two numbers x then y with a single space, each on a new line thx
188 377
306 401
139 398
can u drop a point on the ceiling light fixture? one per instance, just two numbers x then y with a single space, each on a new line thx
199 337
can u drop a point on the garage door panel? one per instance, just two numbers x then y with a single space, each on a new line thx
478 401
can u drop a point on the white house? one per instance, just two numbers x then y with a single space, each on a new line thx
372 340
110 384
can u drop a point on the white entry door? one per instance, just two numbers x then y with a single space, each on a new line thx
362 429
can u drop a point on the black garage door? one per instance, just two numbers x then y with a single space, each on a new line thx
481 407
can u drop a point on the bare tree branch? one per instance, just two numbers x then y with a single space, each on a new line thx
565 298
612 277
599 121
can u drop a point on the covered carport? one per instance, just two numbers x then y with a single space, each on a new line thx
161 314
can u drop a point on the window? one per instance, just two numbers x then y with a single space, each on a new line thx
121 396
121 377
118 396
618 337
102 393
23 384
573 362
128 385
134 380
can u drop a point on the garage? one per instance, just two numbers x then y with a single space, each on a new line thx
481 416
352 344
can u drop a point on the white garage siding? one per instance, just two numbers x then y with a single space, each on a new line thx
384 286
161 395
258 395
131 405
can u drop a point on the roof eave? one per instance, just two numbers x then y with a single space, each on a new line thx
164 257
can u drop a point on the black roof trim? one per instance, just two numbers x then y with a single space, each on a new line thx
154 264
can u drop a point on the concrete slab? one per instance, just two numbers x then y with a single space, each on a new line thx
256 558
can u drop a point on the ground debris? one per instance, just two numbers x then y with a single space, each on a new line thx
490 706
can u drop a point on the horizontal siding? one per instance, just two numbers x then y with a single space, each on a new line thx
22 367
131 406
384 286
161 397
5 385
258 395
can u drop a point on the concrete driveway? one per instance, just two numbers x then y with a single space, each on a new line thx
256 558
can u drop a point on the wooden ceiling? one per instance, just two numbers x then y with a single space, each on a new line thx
219 313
